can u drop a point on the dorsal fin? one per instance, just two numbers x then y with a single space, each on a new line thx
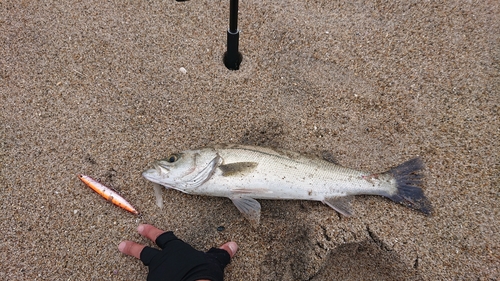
328 156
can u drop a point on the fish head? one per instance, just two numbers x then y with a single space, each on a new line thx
185 170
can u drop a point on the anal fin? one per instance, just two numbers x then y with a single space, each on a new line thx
249 207
340 204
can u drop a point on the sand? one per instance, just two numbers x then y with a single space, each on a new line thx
95 87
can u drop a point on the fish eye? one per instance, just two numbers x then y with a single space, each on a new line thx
172 158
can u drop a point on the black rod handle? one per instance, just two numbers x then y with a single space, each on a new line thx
233 58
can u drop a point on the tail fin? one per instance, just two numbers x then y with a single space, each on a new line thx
408 182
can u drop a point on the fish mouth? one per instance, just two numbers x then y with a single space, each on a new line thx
153 173
150 173
157 173
159 168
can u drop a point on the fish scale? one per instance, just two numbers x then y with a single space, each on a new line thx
300 173
246 173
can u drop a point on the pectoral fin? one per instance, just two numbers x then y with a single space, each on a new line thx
249 207
238 168
340 204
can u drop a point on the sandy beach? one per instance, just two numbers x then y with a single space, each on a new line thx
96 88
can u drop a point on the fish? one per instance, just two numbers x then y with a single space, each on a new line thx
245 173
108 194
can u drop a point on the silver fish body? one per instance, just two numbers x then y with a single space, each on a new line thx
245 173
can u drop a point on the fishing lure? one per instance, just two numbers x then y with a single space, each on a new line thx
108 194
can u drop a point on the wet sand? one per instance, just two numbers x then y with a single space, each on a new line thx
95 88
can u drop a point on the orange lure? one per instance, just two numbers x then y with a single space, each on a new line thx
108 194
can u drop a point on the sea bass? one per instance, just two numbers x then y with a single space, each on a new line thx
245 173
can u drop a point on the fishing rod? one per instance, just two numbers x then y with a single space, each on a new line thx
232 57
